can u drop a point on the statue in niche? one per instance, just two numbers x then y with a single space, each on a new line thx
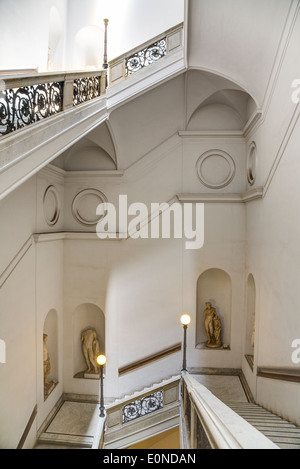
213 327
48 386
91 349
253 331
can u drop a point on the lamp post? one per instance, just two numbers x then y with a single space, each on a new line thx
101 360
105 64
185 321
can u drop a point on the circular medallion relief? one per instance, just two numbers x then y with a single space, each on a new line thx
51 205
84 207
215 169
251 163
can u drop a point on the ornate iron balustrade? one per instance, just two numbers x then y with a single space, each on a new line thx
143 406
23 106
168 44
25 100
145 57
85 89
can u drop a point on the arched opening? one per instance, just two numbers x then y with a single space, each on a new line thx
214 286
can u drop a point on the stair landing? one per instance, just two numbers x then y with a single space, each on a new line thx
73 427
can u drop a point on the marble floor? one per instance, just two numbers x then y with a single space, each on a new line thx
225 388
74 425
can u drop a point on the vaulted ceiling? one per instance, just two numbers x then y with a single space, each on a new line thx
231 50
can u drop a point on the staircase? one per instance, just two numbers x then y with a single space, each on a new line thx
283 433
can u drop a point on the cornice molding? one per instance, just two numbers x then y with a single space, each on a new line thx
245 197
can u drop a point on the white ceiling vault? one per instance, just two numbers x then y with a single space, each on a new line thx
232 46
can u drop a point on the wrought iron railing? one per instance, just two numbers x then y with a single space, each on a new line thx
25 100
143 406
146 54
23 106
128 409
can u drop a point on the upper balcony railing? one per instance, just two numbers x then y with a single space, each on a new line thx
26 99
146 54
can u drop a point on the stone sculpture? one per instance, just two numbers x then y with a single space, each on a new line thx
213 327
91 349
48 386
253 331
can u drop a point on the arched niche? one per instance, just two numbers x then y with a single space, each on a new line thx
88 45
50 352
86 316
214 286
250 318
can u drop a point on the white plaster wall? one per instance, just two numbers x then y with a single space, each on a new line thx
74 30
226 36
49 296
143 286
31 286
17 315
25 33
18 375
273 229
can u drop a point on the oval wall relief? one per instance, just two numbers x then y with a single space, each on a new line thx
85 205
51 205
251 163
215 169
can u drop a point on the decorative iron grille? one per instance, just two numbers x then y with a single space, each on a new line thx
142 407
20 107
85 89
146 56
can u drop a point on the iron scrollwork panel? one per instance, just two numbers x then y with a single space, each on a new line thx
146 56
85 89
20 107
142 407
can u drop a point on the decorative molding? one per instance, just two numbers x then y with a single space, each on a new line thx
227 172
93 177
253 122
78 214
251 163
283 145
80 177
249 196
51 191
211 134
150 160
72 236
15 261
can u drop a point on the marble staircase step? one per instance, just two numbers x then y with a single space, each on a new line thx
283 433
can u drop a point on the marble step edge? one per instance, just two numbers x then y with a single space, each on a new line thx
64 439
